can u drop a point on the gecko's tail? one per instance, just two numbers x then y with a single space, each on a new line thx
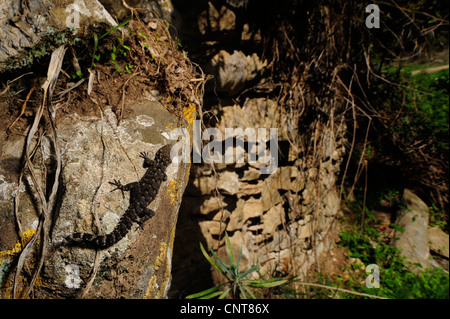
91 240
85 240
100 241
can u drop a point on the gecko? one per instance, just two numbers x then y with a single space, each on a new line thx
142 193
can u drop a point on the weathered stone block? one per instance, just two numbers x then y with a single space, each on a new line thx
212 204
237 217
228 182
272 219
413 241
252 208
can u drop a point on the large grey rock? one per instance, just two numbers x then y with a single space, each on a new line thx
439 241
413 241
94 151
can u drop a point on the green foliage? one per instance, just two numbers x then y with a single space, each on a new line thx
426 112
437 217
363 212
236 285
119 50
78 74
363 241
396 280
179 45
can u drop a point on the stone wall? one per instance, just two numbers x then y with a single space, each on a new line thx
284 219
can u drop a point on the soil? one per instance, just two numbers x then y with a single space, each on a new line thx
167 71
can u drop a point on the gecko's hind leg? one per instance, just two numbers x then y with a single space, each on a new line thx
145 215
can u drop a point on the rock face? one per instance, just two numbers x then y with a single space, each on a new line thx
439 241
94 151
233 71
85 135
147 9
283 217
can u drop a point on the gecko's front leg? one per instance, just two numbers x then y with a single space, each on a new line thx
126 188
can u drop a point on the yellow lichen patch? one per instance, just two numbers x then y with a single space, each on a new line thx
172 234
5 262
189 113
18 246
162 256
150 287
174 186
166 276
152 284
169 127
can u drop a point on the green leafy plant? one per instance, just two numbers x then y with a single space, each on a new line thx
236 285
437 217
363 241
78 74
97 39
426 113
117 51
120 51
396 280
